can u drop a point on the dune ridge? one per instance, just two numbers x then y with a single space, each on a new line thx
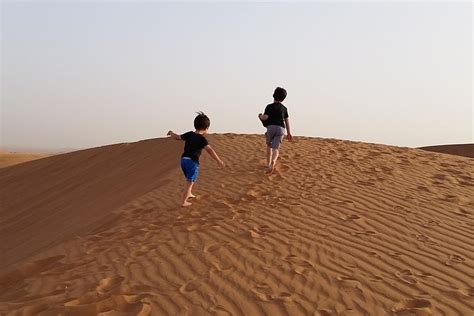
12 158
465 150
340 228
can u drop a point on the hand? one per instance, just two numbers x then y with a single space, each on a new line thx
169 133
289 137
221 163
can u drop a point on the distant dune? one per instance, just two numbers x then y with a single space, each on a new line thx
340 228
12 158
465 150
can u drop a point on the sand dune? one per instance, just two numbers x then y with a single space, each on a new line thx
340 228
9 159
465 150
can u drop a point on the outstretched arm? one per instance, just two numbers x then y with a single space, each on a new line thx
214 155
173 135
288 130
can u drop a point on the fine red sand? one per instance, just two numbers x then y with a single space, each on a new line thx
340 228
9 159
465 150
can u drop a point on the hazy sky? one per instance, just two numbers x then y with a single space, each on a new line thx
83 74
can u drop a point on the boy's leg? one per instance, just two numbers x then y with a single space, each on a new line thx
268 139
275 153
269 155
187 192
191 195
276 143
271 166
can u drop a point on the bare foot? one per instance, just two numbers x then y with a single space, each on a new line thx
191 196
186 204
270 169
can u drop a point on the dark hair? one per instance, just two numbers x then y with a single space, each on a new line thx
201 122
279 94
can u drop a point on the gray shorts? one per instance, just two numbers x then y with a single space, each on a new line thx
274 134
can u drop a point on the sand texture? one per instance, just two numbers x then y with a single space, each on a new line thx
9 159
465 150
340 228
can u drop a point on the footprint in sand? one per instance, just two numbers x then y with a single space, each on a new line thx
466 291
108 284
190 286
324 312
406 276
462 293
349 217
143 250
265 293
424 188
430 222
213 247
376 278
282 168
275 177
345 202
401 209
300 266
462 211
193 227
425 240
394 254
222 266
349 283
364 183
259 231
459 200
253 195
220 310
363 232
256 234
417 306
454 259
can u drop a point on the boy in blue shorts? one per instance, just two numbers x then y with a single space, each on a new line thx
194 143
275 119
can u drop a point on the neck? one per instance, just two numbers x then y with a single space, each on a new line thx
198 131
275 101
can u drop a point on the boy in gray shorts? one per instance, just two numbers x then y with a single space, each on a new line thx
275 119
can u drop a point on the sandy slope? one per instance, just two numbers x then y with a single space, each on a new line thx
465 150
341 228
10 159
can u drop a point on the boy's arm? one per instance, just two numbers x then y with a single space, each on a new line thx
174 136
263 117
288 130
214 155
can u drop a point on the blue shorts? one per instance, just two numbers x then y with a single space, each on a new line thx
190 169
275 134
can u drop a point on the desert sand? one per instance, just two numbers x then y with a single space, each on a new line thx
340 228
12 158
465 150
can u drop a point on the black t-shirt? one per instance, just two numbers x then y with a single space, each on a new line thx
276 112
194 143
